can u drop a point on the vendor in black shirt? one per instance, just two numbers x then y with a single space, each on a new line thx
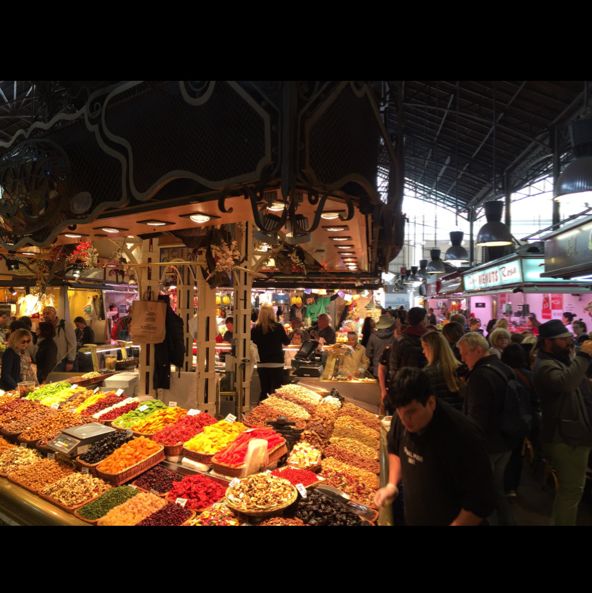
324 332
439 455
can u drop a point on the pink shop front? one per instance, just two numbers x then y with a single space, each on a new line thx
512 287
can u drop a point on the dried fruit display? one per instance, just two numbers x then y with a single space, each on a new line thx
296 476
218 514
304 456
17 456
128 455
286 408
158 478
199 491
159 419
234 455
116 411
260 414
131 419
72 404
319 509
170 515
90 401
49 390
134 510
314 439
281 522
260 492
37 476
215 437
105 446
330 463
75 489
124 402
112 498
110 399
183 429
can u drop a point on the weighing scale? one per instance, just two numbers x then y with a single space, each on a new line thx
308 361
77 440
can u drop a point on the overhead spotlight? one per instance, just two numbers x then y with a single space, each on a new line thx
276 207
436 265
331 214
494 233
12 291
200 218
153 222
456 255
12 264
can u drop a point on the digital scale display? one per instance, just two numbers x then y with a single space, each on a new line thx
77 440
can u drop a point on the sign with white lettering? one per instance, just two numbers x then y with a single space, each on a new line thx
500 275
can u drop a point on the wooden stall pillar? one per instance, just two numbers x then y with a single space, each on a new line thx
149 287
185 293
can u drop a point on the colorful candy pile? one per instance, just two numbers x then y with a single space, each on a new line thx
159 419
215 437
183 430
199 491
128 455
134 510
158 478
112 498
234 455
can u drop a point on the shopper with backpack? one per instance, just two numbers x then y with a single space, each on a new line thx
484 403
561 383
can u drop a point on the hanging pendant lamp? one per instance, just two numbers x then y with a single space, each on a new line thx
576 180
494 233
436 265
456 254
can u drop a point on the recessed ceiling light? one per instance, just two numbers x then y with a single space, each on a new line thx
110 230
154 222
130 236
200 218
336 228
27 253
331 214
342 247
73 235
349 259
341 238
346 253
276 207
352 266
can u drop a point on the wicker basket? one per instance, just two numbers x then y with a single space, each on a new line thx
66 508
173 450
131 472
92 467
205 459
274 455
22 485
91 521
184 524
265 512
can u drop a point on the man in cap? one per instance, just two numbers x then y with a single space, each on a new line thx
566 402
379 340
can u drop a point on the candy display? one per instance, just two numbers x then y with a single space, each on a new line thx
105 446
116 411
131 419
124 401
109 400
281 522
112 498
319 509
304 456
90 401
199 491
215 437
50 390
183 429
37 476
158 478
169 515
330 463
17 456
234 455
286 408
128 455
134 510
218 514
296 476
75 489
159 419
260 493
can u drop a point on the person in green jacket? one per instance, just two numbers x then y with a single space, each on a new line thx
318 305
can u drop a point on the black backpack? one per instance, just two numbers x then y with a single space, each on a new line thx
516 419
174 338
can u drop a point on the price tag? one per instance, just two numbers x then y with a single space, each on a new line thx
51 455
172 404
119 392
193 412
55 406
181 501
132 486
234 483
143 408
302 490
230 418
250 430
74 386
95 389
84 470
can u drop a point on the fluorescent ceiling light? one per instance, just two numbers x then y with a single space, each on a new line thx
73 235
341 238
110 230
200 218
336 228
342 247
331 214
154 222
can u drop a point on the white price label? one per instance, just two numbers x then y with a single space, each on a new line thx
250 430
230 418
55 406
84 470
143 408
133 486
234 483
96 389
119 392
51 455
302 490
172 404
74 386
193 412
181 501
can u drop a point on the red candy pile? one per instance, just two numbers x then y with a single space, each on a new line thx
296 476
106 402
117 412
200 491
235 454
183 430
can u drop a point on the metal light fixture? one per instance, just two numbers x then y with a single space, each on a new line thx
436 265
422 273
456 254
494 233
576 180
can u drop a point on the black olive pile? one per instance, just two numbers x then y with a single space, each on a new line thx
105 446
319 509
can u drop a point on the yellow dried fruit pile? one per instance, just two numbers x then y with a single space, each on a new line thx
215 437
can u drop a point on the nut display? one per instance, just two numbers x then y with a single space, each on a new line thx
218 514
260 492
332 401
158 478
183 430
286 408
199 491
16 409
346 426
17 456
353 486
37 476
314 439
319 509
169 516
261 414
300 392
75 489
215 437
134 510
128 455
112 498
350 458
365 417
355 447
51 426
105 446
330 463
4 444
27 420
304 456
281 522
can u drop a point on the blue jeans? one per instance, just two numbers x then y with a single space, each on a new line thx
570 463
503 513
